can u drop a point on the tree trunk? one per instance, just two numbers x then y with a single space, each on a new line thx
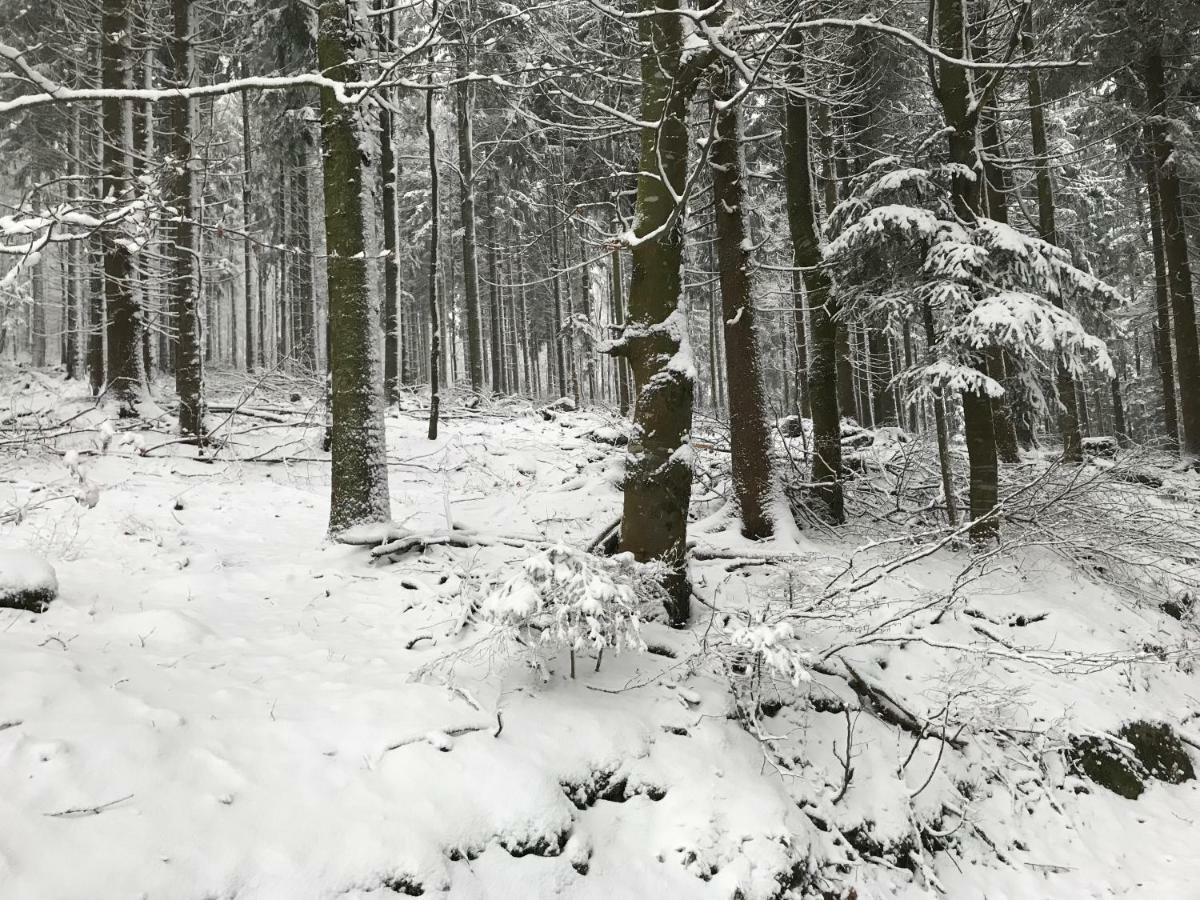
750 440
658 477
823 371
466 169
435 330
1179 272
1068 419
359 490
247 244
800 325
125 373
497 319
189 379
1163 341
955 94
618 312
559 354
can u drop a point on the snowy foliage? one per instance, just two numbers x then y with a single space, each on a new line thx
897 245
774 646
574 599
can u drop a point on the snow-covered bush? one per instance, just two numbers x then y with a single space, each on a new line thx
773 646
568 598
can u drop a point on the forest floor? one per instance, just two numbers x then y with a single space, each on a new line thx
222 703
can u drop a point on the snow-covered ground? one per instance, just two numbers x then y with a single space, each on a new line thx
223 704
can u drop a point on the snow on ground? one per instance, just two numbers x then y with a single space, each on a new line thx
223 704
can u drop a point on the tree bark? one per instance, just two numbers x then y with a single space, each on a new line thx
955 94
247 244
1068 419
359 490
658 477
823 367
618 309
749 438
125 373
435 330
466 169
1163 341
1179 272
189 377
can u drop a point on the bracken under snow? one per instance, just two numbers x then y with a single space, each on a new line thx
223 704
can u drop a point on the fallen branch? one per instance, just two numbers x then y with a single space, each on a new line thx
888 709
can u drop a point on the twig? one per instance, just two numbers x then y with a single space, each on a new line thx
87 810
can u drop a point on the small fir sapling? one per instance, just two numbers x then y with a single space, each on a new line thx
562 597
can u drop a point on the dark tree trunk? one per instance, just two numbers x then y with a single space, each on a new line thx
1164 343
883 400
125 373
466 168
823 367
955 94
1068 419
618 311
359 490
247 244
1179 272
560 362
497 319
435 331
658 478
800 323
750 440
389 173
189 378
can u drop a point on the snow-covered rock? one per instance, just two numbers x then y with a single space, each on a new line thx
26 581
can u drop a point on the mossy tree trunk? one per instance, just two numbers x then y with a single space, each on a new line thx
359 491
658 477
750 440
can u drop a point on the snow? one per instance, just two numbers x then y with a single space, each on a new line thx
224 703
22 571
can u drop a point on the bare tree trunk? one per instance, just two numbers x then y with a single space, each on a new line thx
559 354
1164 343
466 168
1179 272
750 439
125 373
955 95
435 336
247 244
618 311
823 369
1068 419
189 378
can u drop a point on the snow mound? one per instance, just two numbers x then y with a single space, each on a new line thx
26 581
